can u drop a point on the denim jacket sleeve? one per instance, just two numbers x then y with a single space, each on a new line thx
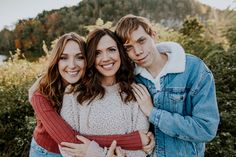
202 124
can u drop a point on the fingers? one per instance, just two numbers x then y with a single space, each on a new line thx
119 152
149 148
144 89
69 145
111 150
68 150
136 94
144 138
73 149
82 139
141 89
72 152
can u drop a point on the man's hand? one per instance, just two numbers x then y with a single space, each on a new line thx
150 146
144 138
143 98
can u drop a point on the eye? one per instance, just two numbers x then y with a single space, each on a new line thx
80 57
63 57
141 40
98 53
111 50
128 48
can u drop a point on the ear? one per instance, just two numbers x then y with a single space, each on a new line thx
154 34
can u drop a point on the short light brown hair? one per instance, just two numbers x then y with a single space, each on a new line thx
129 23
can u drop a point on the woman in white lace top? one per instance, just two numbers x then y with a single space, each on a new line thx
104 104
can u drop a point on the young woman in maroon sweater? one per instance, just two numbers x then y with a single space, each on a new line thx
66 66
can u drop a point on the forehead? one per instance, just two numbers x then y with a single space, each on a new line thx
105 42
71 47
136 34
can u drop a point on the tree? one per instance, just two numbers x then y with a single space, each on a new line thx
195 41
6 41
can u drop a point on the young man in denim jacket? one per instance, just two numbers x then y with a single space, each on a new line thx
184 111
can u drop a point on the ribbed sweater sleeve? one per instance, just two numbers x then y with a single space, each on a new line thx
60 131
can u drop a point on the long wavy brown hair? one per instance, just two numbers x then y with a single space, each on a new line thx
51 84
91 86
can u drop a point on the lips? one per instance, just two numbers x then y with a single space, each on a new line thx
142 59
73 73
107 66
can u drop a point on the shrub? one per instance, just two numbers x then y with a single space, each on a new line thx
16 114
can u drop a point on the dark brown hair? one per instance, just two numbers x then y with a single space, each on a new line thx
91 86
51 84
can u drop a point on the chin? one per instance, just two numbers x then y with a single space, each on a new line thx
73 81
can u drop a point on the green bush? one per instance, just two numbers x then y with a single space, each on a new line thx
223 65
17 119
16 114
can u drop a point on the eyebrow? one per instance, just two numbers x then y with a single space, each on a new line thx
138 40
141 38
109 47
79 53
112 47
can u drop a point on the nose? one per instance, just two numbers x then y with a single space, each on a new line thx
138 49
106 56
72 63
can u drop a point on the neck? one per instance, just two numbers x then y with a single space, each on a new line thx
158 63
109 81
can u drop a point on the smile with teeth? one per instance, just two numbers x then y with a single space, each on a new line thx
107 66
73 73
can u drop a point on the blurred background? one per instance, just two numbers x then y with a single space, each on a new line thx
29 28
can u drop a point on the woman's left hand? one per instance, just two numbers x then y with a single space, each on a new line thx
77 150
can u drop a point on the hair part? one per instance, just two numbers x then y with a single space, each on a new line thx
51 84
91 87
129 23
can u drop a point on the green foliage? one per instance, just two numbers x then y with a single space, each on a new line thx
223 65
195 40
231 35
29 34
192 27
6 41
99 24
16 114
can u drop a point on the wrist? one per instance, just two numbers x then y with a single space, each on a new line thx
149 112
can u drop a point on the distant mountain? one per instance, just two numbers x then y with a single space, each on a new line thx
29 34
170 13
167 12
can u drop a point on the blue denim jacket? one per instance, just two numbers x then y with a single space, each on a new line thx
185 113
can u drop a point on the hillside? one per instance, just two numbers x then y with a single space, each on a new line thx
29 34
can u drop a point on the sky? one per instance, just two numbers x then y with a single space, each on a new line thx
13 10
220 4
